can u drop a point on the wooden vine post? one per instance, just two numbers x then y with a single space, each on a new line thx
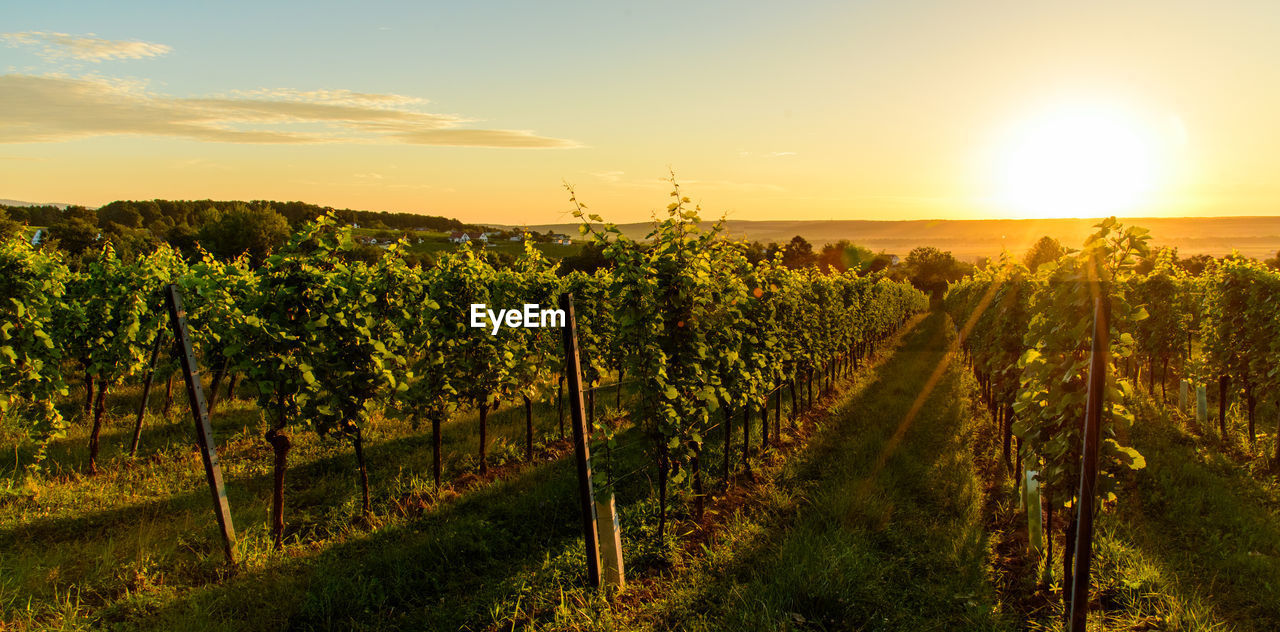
595 532
146 394
199 411
1098 357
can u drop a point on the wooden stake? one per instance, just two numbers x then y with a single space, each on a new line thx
1083 523
204 430
581 451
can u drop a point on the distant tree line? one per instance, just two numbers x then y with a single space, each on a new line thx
224 228
928 268
258 227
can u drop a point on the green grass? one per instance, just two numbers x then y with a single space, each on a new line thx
878 527
139 537
1201 526
1192 542
135 547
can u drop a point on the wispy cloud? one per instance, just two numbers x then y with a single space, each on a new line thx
612 177
63 46
730 185
617 178
767 154
57 108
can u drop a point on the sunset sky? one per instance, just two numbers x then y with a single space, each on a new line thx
800 110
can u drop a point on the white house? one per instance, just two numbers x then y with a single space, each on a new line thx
37 237
560 239
459 237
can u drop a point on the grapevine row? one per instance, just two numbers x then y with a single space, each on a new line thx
328 342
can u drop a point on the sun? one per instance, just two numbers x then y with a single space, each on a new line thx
1077 160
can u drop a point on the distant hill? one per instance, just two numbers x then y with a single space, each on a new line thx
1257 237
60 205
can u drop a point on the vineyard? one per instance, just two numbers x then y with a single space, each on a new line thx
332 348
1026 338
366 428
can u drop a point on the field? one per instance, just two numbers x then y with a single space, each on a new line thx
969 240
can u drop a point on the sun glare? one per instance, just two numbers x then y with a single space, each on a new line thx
1079 160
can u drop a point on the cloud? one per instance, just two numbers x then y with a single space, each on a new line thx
730 185
769 154
61 46
55 108
616 178
612 177
331 97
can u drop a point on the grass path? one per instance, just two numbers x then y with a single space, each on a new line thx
884 528
1195 544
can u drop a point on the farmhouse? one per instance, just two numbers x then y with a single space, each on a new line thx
459 237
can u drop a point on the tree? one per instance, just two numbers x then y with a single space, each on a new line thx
845 255
122 213
799 254
242 229
8 227
931 269
882 261
74 234
1195 264
1045 250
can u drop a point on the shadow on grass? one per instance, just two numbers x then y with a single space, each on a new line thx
526 516
439 572
1205 521
889 535
313 485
